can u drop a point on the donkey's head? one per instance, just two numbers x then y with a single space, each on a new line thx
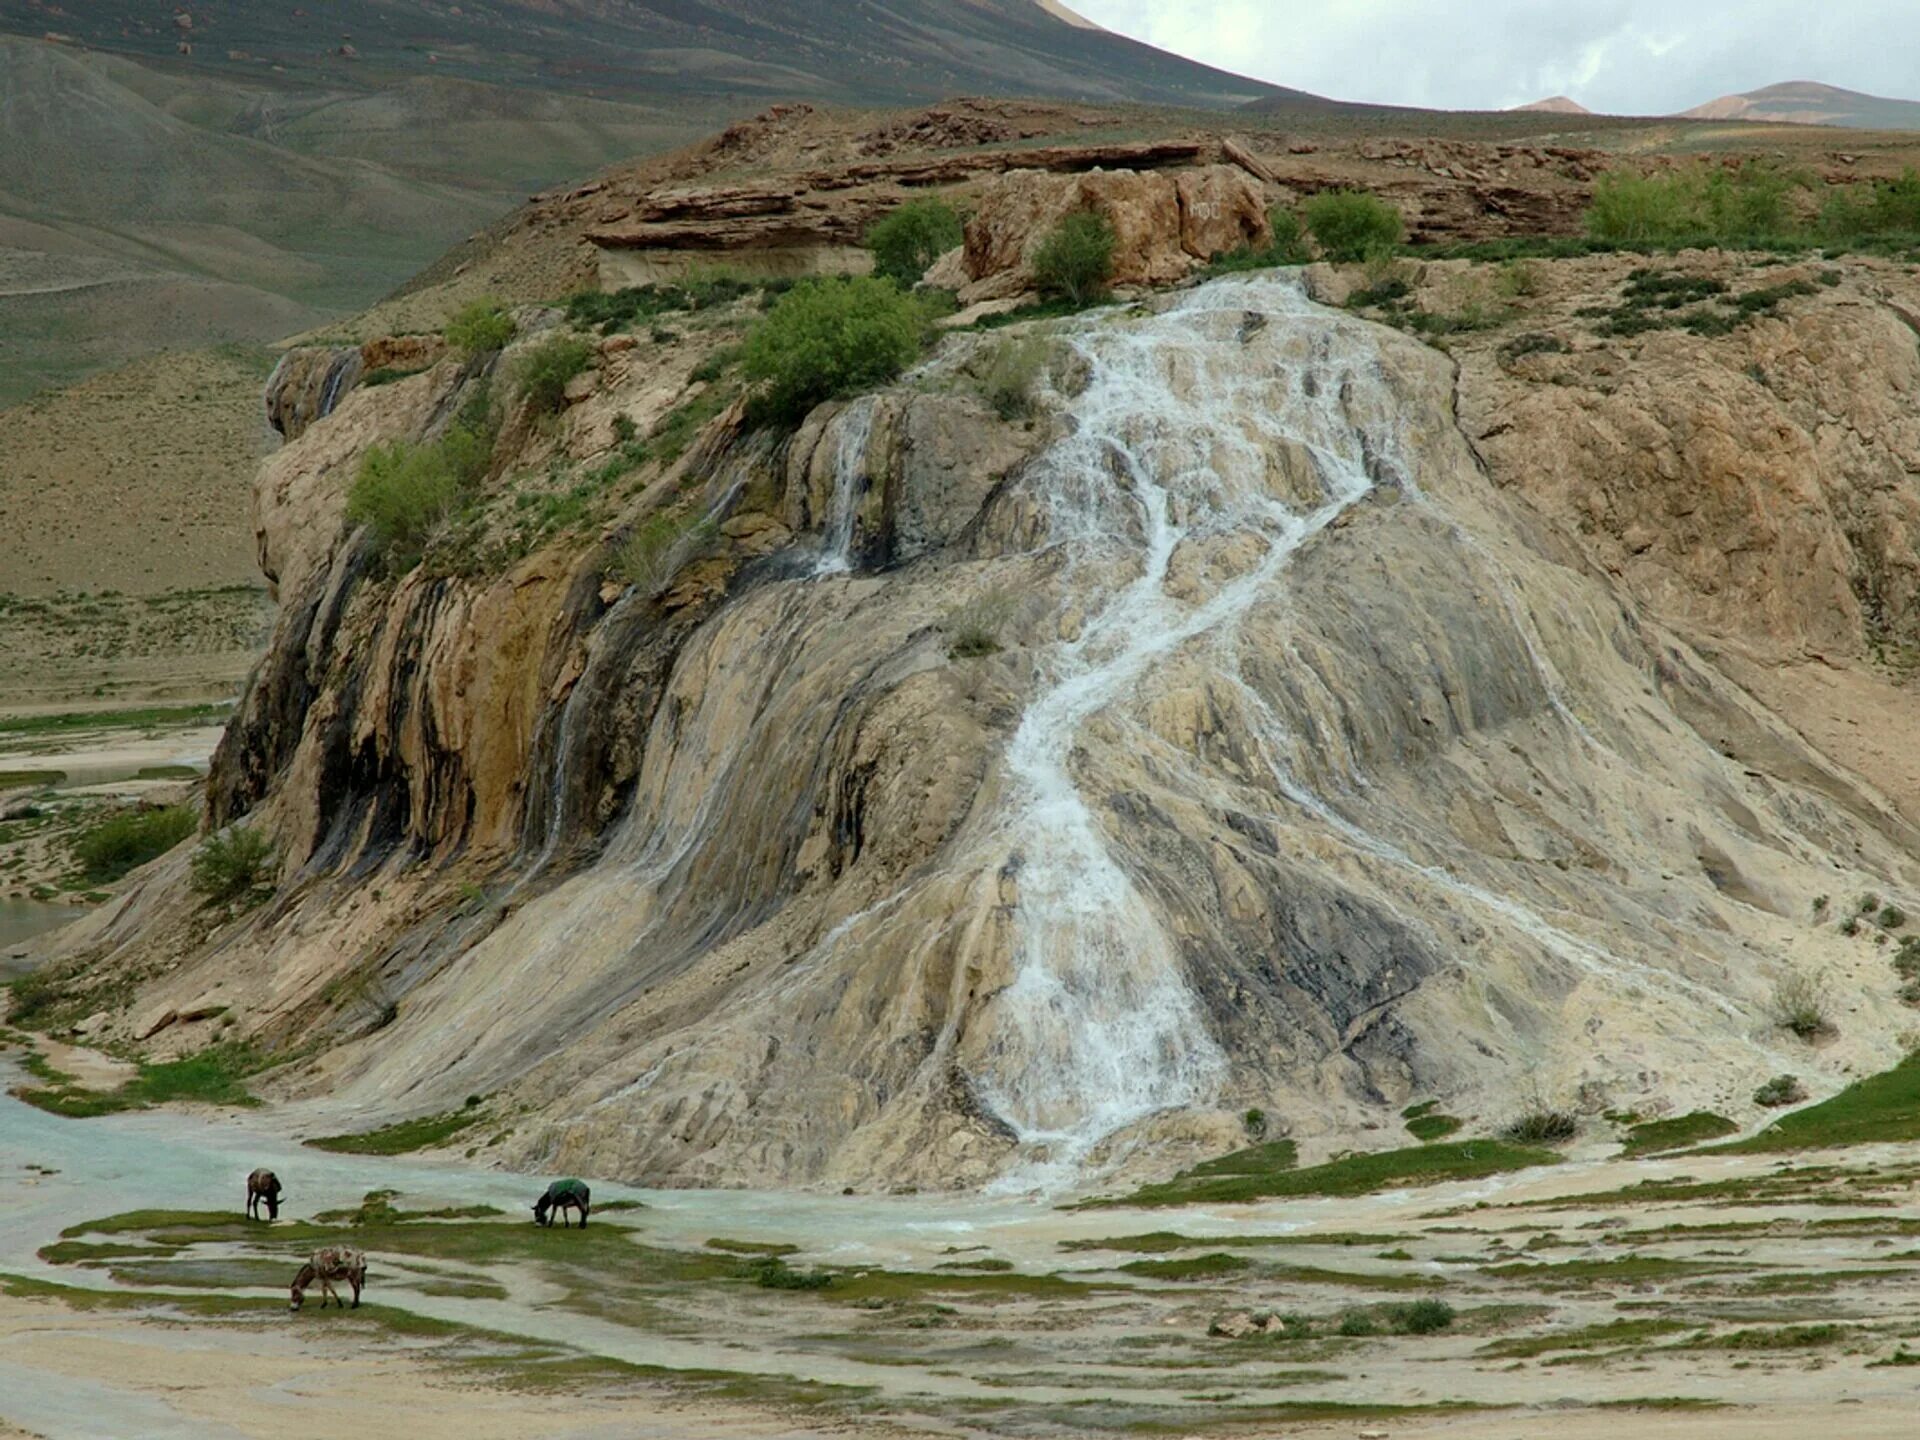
305 1278
540 1209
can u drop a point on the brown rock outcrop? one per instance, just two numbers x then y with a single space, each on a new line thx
1164 224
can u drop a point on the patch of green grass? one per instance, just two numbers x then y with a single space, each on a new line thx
1155 1242
1196 1267
166 772
1779 1337
1431 1127
1881 1107
1658 1136
1352 1175
214 1076
400 1137
1606 1335
151 717
748 1247
1621 1270
32 779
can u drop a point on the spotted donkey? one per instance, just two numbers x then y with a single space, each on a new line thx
330 1263
263 1186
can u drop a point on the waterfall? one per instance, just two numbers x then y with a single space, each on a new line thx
1179 443
853 428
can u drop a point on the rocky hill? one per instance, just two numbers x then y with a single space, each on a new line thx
1247 707
904 52
1807 102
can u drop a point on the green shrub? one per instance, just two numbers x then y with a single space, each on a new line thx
1287 247
1892 917
1075 261
1780 1090
1254 1122
773 1273
910 238
125 842
694 291
402 492
479 328
1423 1317
828 338
1348 224
1357 1323
235 865
1700 205
543 372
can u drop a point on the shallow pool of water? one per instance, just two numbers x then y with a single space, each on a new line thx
25 920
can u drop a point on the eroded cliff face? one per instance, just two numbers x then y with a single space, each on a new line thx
1288 715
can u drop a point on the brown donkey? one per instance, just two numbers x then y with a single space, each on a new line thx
331 1263
263 1187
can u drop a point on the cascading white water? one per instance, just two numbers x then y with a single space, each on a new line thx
853 431
1179 441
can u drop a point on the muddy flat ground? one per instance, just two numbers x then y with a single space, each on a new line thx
1707 1294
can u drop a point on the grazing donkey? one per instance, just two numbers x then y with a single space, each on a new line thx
561 1196
263 1187
331 1263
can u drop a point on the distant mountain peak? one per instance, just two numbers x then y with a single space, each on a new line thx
1557 105
1811 102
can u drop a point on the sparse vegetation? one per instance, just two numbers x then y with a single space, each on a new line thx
973 629
1012 375
478 329
125 842
830 338
234 867
1351 224
658 546
214 1076
1799 1004
1075 261
1423 1317
1881 1107
911 237
1541 1122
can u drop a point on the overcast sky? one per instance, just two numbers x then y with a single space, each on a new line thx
1635 57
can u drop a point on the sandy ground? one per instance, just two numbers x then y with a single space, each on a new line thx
65 1374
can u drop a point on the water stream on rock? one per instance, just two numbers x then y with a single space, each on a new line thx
1180 443
852 431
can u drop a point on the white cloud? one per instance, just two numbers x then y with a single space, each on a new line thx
1628 56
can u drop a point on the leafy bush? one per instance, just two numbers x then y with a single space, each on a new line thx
1800 1004
1348 224
1700 205
402 492
1892 917
1287 247
1780 1090
1075 261
543 372
479 328
1423 1317
827 338
696 290
1356 1323
125 842
1011 375
910 238
235 865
